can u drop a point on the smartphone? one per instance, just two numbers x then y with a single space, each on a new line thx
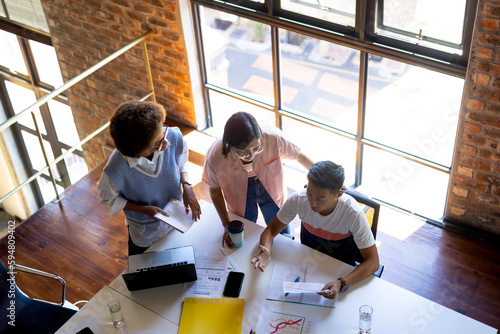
233 284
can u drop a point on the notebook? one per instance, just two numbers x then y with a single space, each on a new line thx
177 216
166 267
286 272
211 316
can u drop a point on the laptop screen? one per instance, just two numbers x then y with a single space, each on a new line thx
171 257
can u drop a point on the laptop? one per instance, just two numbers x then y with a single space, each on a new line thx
166 267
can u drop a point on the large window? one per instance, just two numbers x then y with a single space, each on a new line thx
423 22
374 85
28 71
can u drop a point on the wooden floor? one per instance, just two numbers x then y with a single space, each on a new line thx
79 241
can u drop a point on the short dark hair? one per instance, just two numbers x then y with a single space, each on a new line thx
133 126
327 175
240 129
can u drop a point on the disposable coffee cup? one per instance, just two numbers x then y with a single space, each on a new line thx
235 229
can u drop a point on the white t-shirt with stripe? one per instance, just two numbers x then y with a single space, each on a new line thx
347 218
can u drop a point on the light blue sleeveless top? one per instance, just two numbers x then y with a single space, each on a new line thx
149 188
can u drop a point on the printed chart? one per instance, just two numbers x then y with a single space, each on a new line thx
283 323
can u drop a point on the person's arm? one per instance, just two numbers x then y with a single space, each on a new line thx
145 209
189 198
220 205
305 161
151 210
262 259
364 270
110 195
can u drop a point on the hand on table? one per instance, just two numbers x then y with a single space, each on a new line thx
330 290
226 239
261 260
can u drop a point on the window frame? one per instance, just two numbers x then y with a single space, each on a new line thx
40 89
437 55
358 37
362 36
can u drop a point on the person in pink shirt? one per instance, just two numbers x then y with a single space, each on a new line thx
244 170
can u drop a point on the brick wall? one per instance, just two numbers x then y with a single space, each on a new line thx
86 31
474 192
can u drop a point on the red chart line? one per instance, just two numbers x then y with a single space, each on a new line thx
284 324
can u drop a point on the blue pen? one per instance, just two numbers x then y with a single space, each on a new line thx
296 280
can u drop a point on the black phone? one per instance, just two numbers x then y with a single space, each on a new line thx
233 284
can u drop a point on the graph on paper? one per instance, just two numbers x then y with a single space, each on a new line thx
284 323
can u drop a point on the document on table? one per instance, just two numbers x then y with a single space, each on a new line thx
299 287
299 275
211 269
177 216
273 320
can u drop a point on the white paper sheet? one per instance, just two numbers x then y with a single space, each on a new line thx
177 216
211 269
299 287
273 320
285 272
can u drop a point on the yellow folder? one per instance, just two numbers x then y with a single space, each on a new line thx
211 316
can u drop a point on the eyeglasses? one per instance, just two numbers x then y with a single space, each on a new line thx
242 154
159 144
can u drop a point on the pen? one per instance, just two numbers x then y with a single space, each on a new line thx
296 280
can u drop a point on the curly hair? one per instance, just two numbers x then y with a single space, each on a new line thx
240 129
133 126
327 175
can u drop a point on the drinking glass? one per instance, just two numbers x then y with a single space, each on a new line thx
365 319
115 310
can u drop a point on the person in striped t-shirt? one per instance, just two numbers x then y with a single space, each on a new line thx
331 222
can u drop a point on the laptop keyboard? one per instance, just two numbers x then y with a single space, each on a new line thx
163 267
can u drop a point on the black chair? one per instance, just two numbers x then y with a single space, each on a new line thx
29 315
371 208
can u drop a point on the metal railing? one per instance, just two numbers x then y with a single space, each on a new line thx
63 88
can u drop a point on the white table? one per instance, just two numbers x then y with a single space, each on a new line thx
395 310
96 316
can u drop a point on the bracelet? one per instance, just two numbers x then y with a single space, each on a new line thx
186 183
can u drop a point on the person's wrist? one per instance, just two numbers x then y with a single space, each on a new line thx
225 221
186 183
343 286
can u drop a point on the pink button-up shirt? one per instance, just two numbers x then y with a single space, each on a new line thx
230 174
